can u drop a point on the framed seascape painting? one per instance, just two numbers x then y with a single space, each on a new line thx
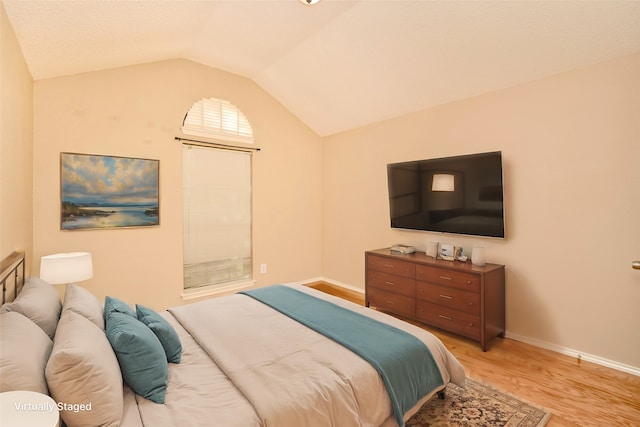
108 192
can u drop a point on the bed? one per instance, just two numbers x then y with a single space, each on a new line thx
241 361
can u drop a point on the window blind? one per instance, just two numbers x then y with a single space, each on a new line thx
213 117
217 216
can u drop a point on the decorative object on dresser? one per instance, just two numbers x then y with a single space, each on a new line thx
477 256
455 296
432 249
447 252
402 249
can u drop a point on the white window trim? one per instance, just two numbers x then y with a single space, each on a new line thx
204 291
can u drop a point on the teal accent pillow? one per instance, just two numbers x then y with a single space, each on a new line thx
163 330
140 355
115 305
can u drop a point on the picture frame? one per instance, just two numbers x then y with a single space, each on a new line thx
446 252
106 192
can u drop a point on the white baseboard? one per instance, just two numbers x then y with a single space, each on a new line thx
633 370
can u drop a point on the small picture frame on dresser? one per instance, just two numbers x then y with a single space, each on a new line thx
458 251
447 252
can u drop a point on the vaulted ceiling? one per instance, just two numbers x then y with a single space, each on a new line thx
339 64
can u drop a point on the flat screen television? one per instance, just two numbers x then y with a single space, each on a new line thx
461 195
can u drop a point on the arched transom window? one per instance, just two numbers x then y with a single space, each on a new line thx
217 118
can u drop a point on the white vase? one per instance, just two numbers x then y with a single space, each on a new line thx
432 249
477 256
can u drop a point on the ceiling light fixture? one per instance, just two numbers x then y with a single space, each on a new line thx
309 2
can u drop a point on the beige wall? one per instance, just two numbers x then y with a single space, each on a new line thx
571 153
570 147
16 136
137 111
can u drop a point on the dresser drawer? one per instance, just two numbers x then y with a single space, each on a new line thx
393 302
449 319
391 283
391 266
442 276
469 302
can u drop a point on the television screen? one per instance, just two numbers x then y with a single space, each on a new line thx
461 195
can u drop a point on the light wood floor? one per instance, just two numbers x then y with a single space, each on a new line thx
576 393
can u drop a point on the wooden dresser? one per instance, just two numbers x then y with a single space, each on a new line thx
454 296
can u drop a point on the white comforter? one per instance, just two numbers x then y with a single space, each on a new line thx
245 364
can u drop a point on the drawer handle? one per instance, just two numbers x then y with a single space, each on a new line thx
444 317
445 296
389 283
389 265
446 278
470 324
389 302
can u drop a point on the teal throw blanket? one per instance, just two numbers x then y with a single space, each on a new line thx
405 363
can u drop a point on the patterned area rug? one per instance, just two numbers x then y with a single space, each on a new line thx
478 405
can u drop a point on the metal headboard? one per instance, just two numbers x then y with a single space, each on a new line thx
12 275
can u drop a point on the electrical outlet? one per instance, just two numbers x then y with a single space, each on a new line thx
263 268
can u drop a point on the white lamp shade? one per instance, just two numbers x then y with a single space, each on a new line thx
66 267
443 182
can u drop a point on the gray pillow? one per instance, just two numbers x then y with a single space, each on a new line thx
83 369
40 302
24 350
81 301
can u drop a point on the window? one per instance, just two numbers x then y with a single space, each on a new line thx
217 118
216 202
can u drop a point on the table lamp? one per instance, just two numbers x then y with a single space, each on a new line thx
66 268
